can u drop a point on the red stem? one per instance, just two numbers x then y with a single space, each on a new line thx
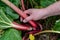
23 6
21 27
19 11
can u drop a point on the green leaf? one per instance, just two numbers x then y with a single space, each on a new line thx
4 25
45 3
2 4
5 22
58 39
11 13
3 16
57 26
11 34
15 2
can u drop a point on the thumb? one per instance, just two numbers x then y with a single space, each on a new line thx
27 19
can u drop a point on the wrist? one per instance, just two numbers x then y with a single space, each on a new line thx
47 12
52 12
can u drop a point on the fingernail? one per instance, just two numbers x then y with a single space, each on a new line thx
24 21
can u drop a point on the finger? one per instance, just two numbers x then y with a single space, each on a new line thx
28 11
21 19
44 17
27 19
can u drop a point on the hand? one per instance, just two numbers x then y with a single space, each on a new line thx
35 14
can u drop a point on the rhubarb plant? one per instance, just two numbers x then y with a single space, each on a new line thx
57 25
44 2
5 22
7 16
10 13
11 34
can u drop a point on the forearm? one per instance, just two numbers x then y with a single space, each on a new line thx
54 9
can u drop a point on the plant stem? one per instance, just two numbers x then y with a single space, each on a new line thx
19 11
20 26
47 31
23 6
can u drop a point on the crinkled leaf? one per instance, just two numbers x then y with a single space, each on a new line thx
57 26
9 17
15 2
11 13
5 22
11 34
2 4
3 16
45 3
4 25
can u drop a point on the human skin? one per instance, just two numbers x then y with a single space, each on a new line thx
36 14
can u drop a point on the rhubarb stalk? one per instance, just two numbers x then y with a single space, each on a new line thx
20 26
22 4
19 11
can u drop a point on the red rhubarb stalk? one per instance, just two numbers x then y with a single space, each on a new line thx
19 11
23 6
20 26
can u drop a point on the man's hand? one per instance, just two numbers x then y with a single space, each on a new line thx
35 14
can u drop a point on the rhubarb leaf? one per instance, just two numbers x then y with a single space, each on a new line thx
11 13
15 2
11 34
45 3
3 16
4 25
57 26
5 22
